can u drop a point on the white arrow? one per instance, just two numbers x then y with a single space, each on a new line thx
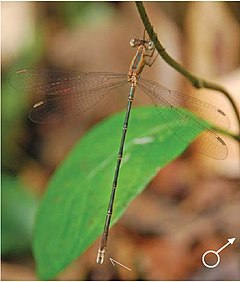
230 241
113 261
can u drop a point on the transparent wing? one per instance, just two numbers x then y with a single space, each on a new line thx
208 142
63 95
55 82
66 107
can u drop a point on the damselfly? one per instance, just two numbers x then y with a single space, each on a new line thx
84 90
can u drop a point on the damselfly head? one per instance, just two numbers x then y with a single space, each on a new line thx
134 42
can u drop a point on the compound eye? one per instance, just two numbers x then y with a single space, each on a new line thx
150 45
134 42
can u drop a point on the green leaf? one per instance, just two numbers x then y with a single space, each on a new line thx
18 211
72 212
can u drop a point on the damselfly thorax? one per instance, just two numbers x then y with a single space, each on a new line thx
144 52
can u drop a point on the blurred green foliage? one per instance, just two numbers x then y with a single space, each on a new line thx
84 13
18 210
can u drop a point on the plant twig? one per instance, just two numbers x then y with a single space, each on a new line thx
195 81
227 133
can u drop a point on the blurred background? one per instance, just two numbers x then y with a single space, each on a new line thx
192 205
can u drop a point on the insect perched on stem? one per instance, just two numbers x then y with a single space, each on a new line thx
87 89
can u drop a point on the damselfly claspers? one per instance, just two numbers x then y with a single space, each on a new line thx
69 93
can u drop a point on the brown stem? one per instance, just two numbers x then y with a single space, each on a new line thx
227 133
